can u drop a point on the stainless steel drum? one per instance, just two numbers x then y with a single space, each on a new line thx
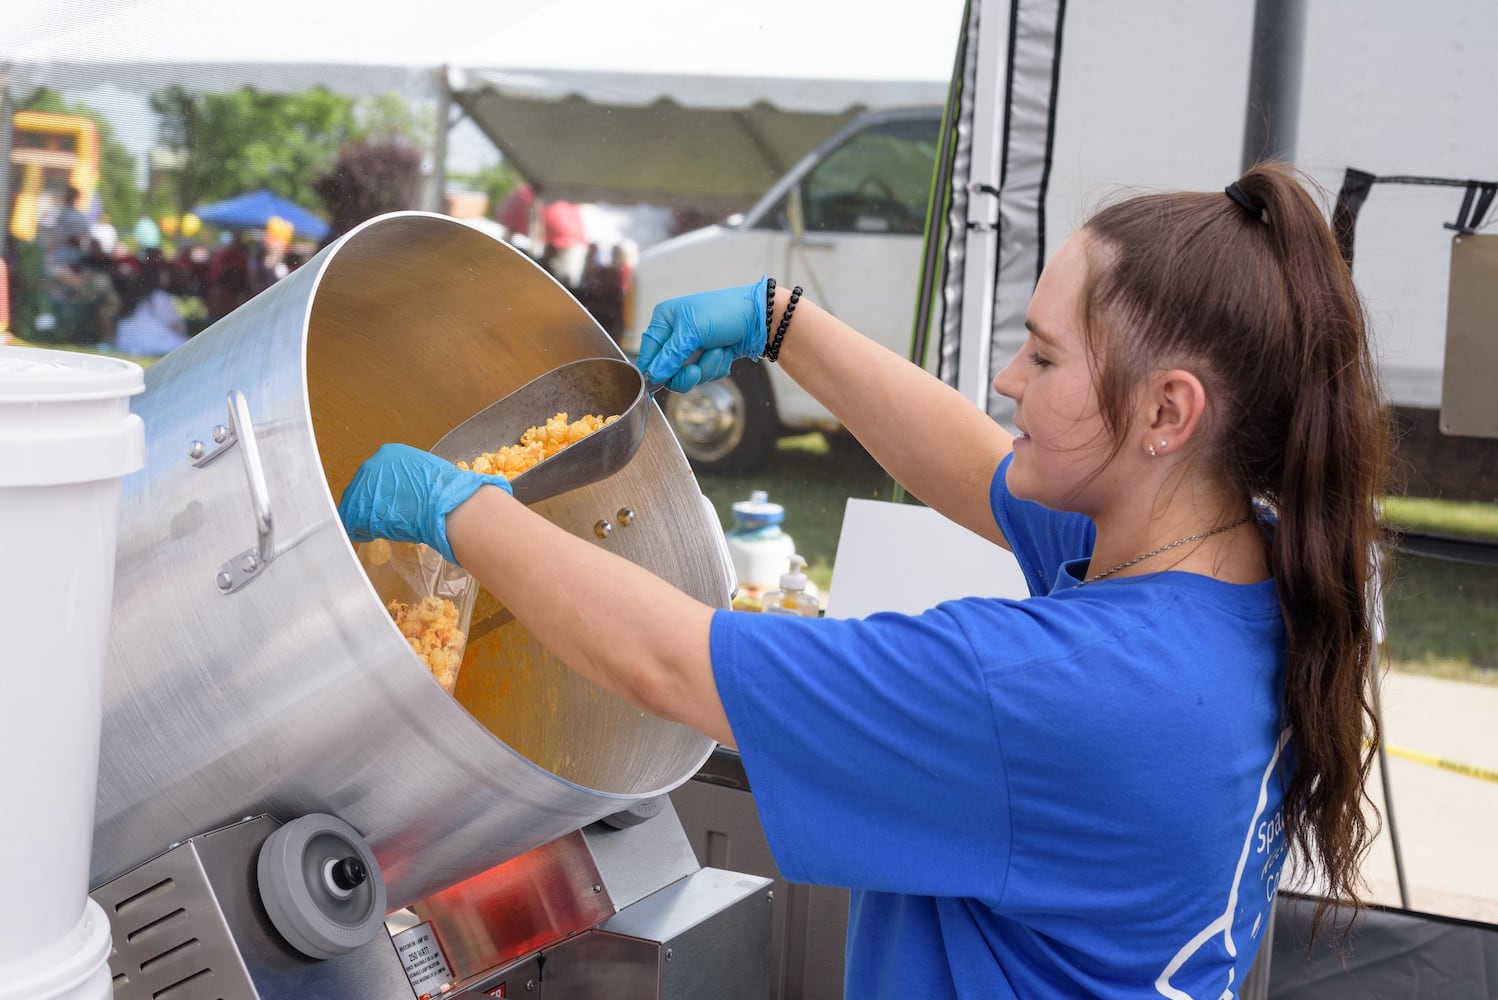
253 668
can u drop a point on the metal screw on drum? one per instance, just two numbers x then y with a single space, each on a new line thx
603 529
626 516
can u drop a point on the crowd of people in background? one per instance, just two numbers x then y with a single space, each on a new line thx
139 293
553 232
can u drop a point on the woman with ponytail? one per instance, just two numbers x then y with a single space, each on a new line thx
1267 313
1091 791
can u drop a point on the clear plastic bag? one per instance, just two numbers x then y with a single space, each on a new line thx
429 598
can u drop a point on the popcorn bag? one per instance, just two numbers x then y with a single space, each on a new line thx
429 598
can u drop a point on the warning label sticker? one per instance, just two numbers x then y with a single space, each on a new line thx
426 966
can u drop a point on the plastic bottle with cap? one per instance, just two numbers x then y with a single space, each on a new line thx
758 546
792 598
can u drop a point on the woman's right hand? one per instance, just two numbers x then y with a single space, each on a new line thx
405 494
722 326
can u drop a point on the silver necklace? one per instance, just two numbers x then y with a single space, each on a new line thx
1166 548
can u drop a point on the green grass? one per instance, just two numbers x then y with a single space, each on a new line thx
1443 619
812 480
1442 615
1452 518
143 361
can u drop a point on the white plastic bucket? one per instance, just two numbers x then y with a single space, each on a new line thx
67 439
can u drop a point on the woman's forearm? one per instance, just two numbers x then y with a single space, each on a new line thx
936 443
614 622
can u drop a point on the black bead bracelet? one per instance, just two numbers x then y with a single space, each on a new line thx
769 306
773 351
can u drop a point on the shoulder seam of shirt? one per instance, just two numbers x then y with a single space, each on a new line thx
977 664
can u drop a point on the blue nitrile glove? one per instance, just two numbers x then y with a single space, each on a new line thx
725 325
405 494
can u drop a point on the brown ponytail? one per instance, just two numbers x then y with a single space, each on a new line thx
1263 309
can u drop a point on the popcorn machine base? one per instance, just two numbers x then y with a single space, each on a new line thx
610 911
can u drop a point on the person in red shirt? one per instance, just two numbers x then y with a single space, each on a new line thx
229 284
517 213
566 254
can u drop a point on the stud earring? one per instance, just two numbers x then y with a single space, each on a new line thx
1151 449
1163 443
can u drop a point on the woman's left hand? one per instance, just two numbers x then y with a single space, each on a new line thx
715 328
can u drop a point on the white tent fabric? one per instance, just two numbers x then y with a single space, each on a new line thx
704 104
596 99
274 45
821 56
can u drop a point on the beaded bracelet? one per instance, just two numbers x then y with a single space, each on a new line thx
769 306
773 351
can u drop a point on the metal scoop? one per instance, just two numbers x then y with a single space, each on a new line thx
602 386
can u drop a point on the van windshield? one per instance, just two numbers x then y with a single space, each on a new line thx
877 181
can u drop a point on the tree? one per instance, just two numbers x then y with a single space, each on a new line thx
391 117
245 140
495 181
370 177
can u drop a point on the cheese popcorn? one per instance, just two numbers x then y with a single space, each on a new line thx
431 627
536 444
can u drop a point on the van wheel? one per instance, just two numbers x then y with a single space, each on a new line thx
727 427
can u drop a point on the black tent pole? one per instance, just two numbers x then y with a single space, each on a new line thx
1274 72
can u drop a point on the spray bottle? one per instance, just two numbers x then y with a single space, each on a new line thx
792 598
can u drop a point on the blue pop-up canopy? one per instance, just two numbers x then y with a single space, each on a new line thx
255 209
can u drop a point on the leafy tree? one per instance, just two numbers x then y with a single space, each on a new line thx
119 191
495 181
236 142
370 177
390 116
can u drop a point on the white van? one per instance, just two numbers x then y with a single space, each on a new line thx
846 223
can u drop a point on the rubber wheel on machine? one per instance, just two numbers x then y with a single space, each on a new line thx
727 427
316 918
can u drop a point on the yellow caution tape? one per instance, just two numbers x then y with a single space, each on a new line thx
1447 765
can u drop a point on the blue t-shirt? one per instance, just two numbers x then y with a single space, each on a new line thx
1076 794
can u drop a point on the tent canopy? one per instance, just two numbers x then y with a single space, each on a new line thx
593 99
707 112
255 209
283 47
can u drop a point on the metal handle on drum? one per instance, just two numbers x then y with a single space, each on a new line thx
244 567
